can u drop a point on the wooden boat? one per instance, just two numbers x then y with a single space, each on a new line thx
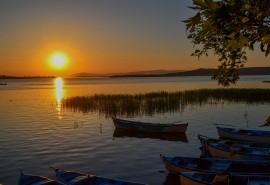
240 150
120 133
233 143
150 127
259 136
214 165
191 178
75 178
27 179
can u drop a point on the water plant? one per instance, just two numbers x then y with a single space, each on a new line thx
150 103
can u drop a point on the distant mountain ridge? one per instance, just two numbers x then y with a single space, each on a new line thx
204 72
150 72
159 73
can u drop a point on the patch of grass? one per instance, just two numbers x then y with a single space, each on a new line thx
162 102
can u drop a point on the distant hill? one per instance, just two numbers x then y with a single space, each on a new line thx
136 73
157 73
203 72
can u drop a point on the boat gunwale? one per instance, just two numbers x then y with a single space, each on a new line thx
236 152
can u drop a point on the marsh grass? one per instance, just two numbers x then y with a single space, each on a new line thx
161 102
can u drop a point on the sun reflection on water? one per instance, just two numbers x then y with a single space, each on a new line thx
58 83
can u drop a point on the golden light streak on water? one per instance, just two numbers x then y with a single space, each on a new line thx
58 83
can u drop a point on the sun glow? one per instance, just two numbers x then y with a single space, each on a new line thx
58 61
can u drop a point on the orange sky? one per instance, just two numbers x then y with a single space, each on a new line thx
98 37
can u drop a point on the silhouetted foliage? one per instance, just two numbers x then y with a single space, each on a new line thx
228 28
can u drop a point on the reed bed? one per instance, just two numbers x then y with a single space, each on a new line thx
161 102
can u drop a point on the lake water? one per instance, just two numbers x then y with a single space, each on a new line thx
36 133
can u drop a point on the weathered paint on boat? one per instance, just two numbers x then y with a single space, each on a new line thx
259 136
213 165
234 149
190 178
75 178
150 127
29 179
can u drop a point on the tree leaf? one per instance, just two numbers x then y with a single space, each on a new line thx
232 35
243 41
267 50
245 19
266 39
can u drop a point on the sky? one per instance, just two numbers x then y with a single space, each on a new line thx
99 36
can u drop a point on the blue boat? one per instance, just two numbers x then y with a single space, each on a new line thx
229 149
232 144
191 178
75 178
259 136
176 164
29 179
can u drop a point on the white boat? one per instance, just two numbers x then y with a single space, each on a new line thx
75 178
259 136
191 178
150 127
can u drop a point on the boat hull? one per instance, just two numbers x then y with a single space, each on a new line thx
187 181
228 153
149 127
213 165
72 178
29 179
189 178
237 150
244 135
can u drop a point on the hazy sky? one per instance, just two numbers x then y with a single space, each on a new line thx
101 36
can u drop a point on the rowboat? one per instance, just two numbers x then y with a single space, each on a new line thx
234 143
121 133
191 178
259 136
150 127
214 165
28 179
234 149
75 178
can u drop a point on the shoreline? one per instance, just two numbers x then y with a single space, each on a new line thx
24 77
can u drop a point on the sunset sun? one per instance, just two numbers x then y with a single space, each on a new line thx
58 61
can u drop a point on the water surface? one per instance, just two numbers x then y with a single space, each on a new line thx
36 133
